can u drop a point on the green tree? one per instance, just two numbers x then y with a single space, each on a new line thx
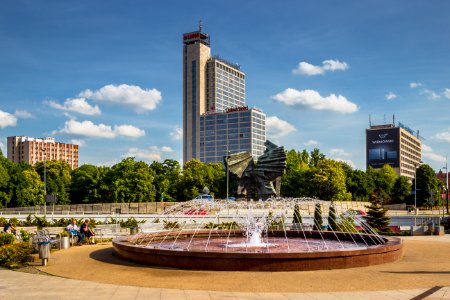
384 180
401 190
358 183
376 215
316 158
329 181
57 177
86 184
427 185
130 181
297 218
296 182
28 188
5 193
332 217
318 221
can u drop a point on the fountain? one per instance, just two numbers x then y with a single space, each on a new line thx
259 236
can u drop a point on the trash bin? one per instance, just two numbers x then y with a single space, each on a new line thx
44 251
133 230
64 242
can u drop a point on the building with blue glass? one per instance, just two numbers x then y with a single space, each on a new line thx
216 120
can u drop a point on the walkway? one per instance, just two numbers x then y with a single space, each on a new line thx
19 285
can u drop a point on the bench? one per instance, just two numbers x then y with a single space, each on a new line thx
44 236
108 230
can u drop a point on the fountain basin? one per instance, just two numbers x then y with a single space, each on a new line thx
226 259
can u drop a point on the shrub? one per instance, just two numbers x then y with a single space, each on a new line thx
15 255
14 221
60 223
64 234
297 219
6 238
3 221
171 224
41 222
30 221
318 221
25 235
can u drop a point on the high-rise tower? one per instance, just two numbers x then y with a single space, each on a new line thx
216 120
196 53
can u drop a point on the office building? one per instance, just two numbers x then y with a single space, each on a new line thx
398 146
225 85
212 88
31 150
236 130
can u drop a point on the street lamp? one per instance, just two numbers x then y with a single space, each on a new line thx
45 181
446 182
415 191
228 172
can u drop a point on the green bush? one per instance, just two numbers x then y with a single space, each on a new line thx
171 224
30 221
64 234
61 222
3 221
14 221
41 222
15 255
25 235
6 238
131 222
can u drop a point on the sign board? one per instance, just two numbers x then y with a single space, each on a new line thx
382 147
50 198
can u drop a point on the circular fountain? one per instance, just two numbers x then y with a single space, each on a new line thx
258 236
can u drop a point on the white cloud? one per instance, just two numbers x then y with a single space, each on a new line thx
89 129
443 136
308 69
347 161
23 114
427 152
311 143
80 143
78 105
177 133
310 99
432 95
334 65
141 100
339 152
7 119
390 96
128 131
447 93
277 128
413 85
151 154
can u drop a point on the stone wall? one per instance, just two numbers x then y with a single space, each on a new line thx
98 208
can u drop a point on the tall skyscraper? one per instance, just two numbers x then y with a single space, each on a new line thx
215 117
196 53
32 150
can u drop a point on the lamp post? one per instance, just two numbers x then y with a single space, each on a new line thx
45 181
446 182
228 172
415 192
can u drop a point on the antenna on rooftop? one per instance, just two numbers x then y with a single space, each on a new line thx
200 25
393 120
370 120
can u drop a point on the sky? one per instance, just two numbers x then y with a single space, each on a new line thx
107 74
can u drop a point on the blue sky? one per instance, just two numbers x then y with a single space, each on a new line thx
108 74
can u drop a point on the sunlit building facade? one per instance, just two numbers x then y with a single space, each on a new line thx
31 150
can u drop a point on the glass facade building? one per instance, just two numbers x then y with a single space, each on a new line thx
215 117
225 85
237 130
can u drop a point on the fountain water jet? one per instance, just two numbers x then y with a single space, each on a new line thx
257 236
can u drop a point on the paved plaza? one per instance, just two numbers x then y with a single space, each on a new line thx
93 272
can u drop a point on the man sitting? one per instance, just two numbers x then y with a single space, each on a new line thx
86 230
73 229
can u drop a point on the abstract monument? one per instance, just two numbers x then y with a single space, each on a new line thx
262 174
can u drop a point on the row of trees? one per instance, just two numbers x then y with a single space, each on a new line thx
308 174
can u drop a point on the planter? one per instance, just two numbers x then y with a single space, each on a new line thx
64 242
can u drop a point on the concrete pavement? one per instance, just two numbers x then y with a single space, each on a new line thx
19 285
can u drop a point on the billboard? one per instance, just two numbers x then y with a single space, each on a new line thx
382 147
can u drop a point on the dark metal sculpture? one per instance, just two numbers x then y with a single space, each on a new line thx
261 174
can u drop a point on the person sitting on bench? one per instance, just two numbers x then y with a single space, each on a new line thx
86 230
73 229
